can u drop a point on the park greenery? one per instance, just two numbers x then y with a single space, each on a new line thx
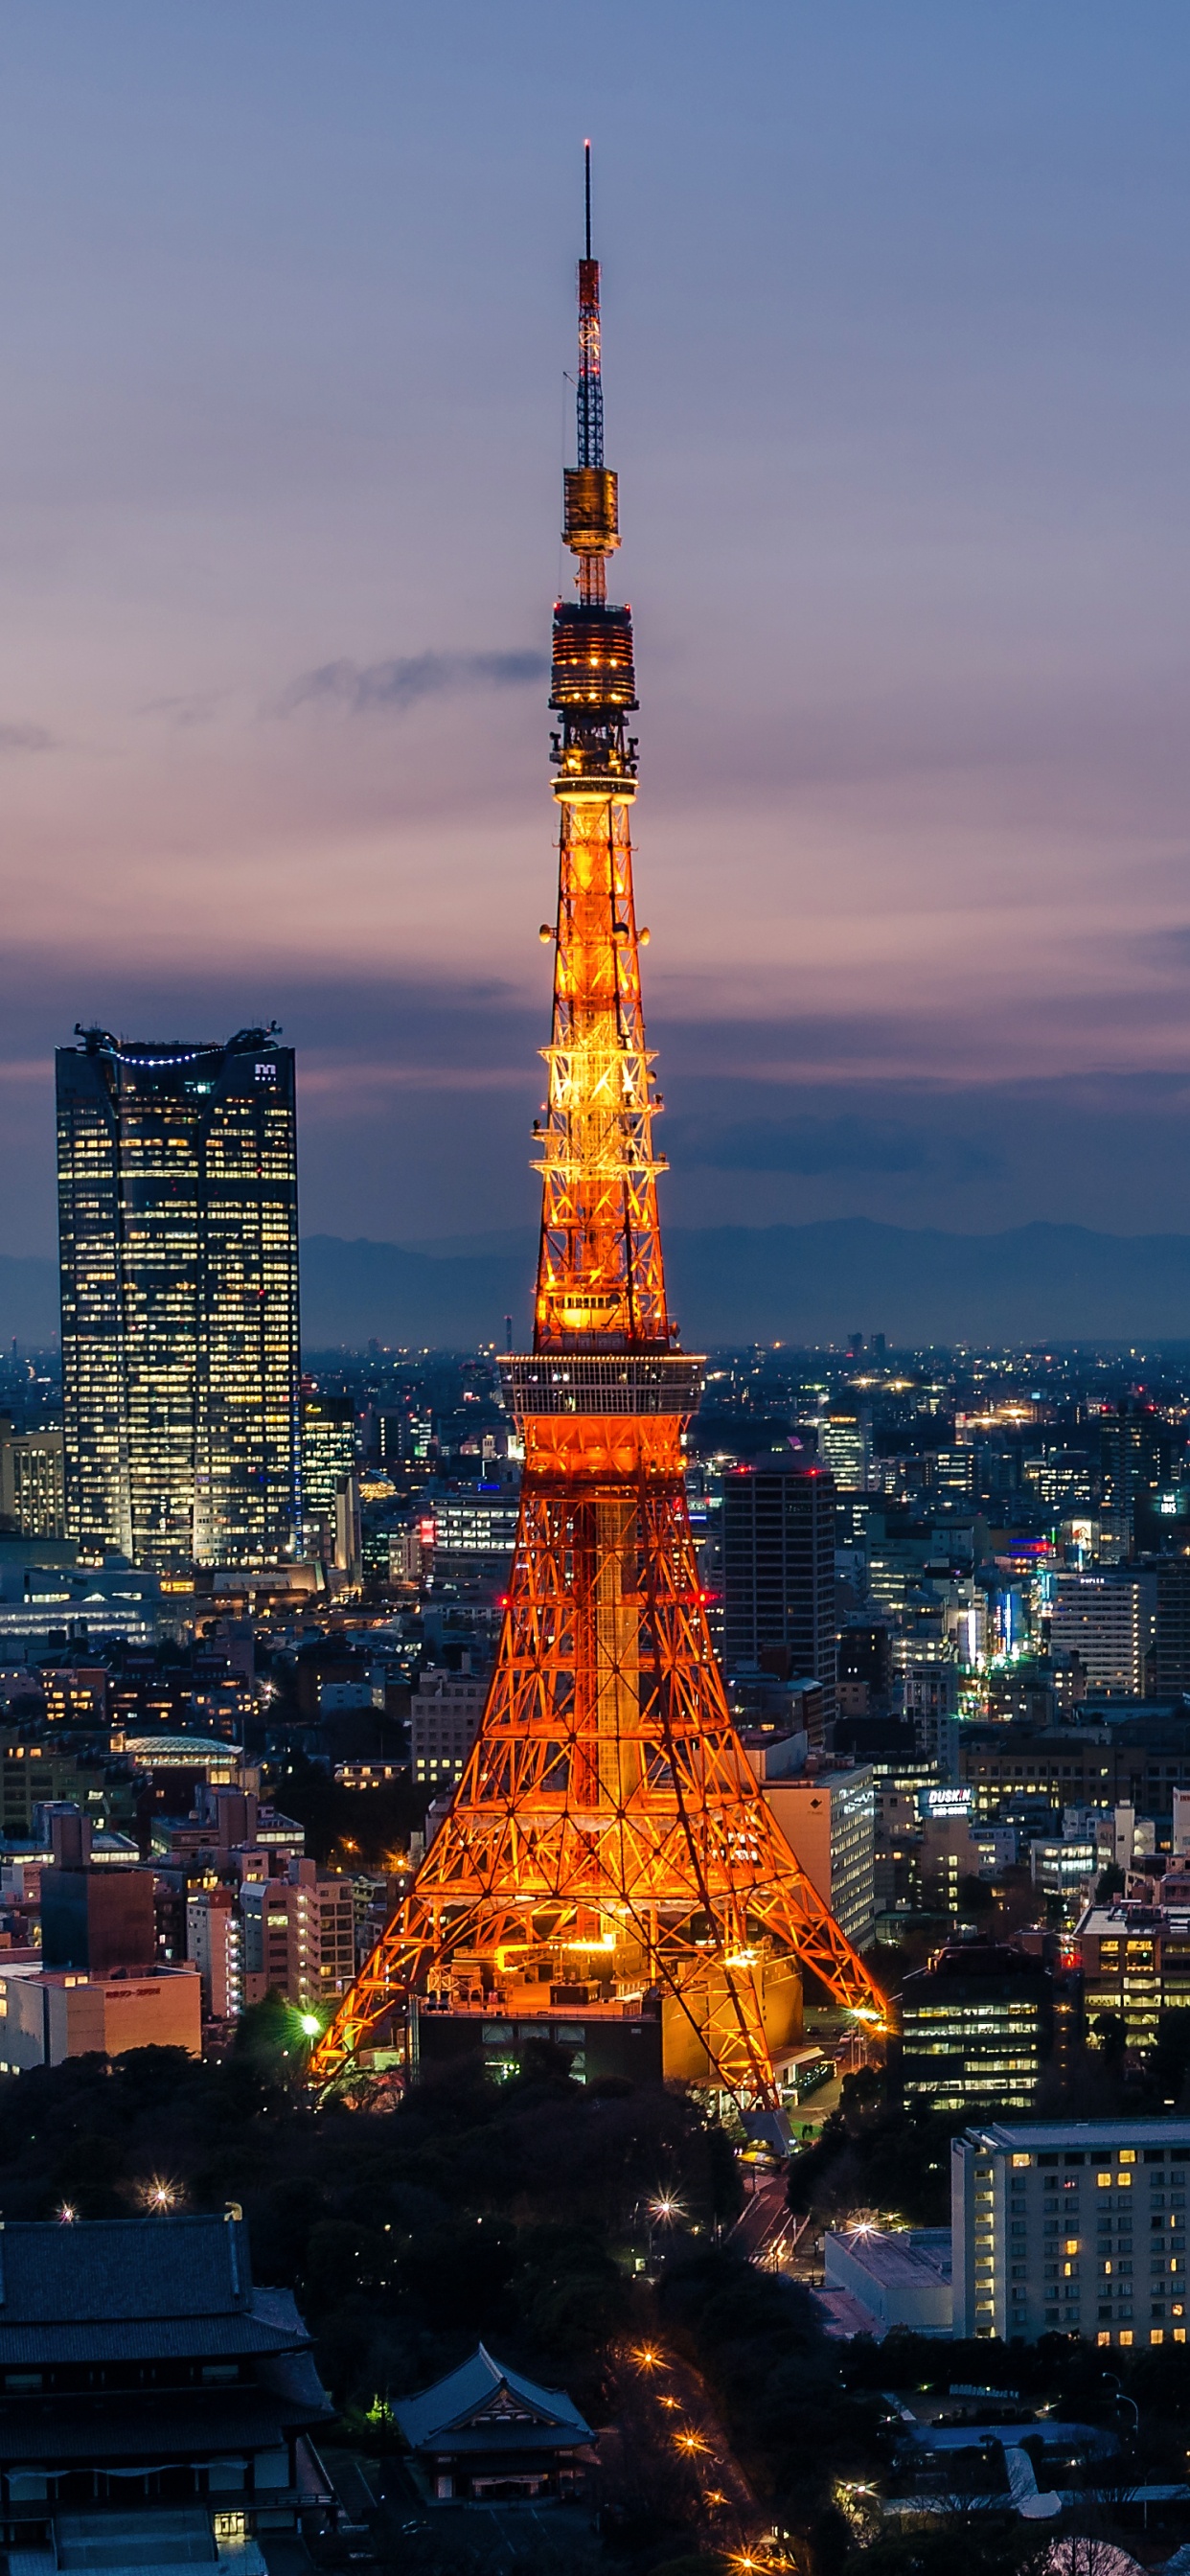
525 2214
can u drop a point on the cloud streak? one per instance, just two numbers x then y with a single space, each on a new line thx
391 688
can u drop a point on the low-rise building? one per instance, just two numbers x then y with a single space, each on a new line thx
1073 2226
48 2015
876 2278
1136 1962
484 2433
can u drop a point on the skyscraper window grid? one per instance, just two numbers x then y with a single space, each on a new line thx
178 1248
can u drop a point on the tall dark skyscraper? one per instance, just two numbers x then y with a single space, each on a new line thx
177 1219
779 1572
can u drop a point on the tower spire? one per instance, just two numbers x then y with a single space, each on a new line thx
608 1856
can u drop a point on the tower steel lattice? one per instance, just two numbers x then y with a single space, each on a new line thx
608 1848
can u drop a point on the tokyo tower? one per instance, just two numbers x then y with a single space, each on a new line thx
608 1857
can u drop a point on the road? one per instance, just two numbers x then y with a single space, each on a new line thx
766 2232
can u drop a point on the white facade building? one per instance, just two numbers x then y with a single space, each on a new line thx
1071 2226
875 2279
1107 1618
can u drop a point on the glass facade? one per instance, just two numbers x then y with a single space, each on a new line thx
177 1212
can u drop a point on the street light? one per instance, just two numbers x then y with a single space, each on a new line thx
1124 2400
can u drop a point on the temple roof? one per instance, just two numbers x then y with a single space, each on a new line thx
484 2402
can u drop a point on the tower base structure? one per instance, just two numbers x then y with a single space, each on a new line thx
609 1861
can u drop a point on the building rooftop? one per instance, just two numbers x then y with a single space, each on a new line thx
133 2289
1043 2134
900 2258
483 2402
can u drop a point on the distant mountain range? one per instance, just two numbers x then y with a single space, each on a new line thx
736 1284
804 1283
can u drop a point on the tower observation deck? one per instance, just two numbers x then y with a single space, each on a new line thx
608 1860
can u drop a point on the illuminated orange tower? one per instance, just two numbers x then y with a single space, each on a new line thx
608 1852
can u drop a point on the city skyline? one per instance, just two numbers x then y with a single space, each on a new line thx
897 337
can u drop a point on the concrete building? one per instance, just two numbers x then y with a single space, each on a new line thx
76 1695
845 1446
299 1936
1172 1632
32 1488
47 2016
829 1818
1075 2226
1136 1959
976 2027
1107 1619
215 1946
1064 1871
444 1715
875 2279
779 1571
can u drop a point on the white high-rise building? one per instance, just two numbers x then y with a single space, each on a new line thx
1074 2226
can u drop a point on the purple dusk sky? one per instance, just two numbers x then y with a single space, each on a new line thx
897 363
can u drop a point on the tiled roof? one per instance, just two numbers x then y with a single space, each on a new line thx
173 2425
114 2270
148 2339
450 2406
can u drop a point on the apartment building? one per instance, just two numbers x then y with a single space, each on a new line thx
215 1946
1077 2227
299 1936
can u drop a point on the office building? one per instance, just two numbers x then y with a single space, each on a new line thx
779 1571
1172 1633
200 2396
1106 1618
50 2014
829 1820
177 1200
1073 2226
845 1446
1136 1960
1063 1872
32 1491
1135 1456
328 1457
481 1524
977 2025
